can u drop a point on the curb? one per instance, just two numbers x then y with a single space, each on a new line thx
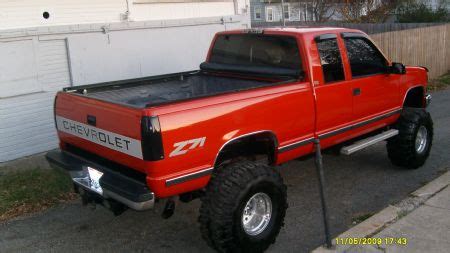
390 214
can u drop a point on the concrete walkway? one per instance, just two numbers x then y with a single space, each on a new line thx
423 220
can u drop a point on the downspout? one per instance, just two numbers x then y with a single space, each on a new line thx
236 10
126 15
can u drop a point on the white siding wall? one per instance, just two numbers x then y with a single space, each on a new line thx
26 125
85 42
28 13
31 66
20 55
26 115
138 53
34 67
180 10
53 65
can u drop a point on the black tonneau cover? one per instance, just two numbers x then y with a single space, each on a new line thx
185 87
147 92
254 70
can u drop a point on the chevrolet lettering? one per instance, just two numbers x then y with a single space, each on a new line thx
99 136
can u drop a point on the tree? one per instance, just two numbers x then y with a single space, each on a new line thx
414 12
382 12
353 10
323 10
370 11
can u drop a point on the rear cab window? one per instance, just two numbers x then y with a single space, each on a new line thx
277 53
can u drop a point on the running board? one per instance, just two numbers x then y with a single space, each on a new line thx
368 142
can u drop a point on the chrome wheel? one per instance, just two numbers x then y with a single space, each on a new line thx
257 213
421 139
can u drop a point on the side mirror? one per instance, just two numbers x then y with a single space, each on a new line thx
397 68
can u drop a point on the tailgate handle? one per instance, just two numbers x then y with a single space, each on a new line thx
91 120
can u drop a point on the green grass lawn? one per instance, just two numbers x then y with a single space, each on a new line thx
439 83
32 190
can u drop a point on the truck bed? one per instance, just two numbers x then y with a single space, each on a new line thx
146 92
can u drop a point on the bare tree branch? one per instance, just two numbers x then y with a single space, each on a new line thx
323 10
367 10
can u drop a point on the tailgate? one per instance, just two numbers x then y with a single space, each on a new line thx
109 130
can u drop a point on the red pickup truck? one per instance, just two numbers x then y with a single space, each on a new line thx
261 98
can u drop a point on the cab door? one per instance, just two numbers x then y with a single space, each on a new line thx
375 91
333 93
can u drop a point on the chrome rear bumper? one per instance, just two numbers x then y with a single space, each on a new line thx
114 185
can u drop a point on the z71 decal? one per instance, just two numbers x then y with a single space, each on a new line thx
183 147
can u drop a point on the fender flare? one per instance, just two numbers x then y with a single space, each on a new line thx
271 133
411 88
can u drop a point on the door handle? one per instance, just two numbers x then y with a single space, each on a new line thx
356 91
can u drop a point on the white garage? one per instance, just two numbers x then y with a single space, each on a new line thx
46 45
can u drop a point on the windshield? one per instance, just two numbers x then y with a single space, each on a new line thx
256 50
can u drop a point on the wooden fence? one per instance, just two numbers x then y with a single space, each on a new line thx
411 44
426 46
369 28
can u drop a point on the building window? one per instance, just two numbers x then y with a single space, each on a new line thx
304 12
286 12
269 14
258 12
307 12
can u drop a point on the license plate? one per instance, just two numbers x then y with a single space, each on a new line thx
94 180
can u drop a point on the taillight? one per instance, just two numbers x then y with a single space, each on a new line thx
152 147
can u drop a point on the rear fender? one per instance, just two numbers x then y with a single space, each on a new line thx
262 142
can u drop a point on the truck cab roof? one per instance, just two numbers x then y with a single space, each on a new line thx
292 30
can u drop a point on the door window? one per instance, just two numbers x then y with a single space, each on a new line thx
365 59
330 58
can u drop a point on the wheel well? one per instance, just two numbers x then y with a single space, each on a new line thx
414 98
253 147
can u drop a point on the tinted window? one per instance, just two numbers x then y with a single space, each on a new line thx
256 50
330 58
365 59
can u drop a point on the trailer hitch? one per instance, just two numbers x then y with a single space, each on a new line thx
169 208
92 200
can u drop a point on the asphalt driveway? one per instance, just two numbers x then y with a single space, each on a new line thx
360 184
